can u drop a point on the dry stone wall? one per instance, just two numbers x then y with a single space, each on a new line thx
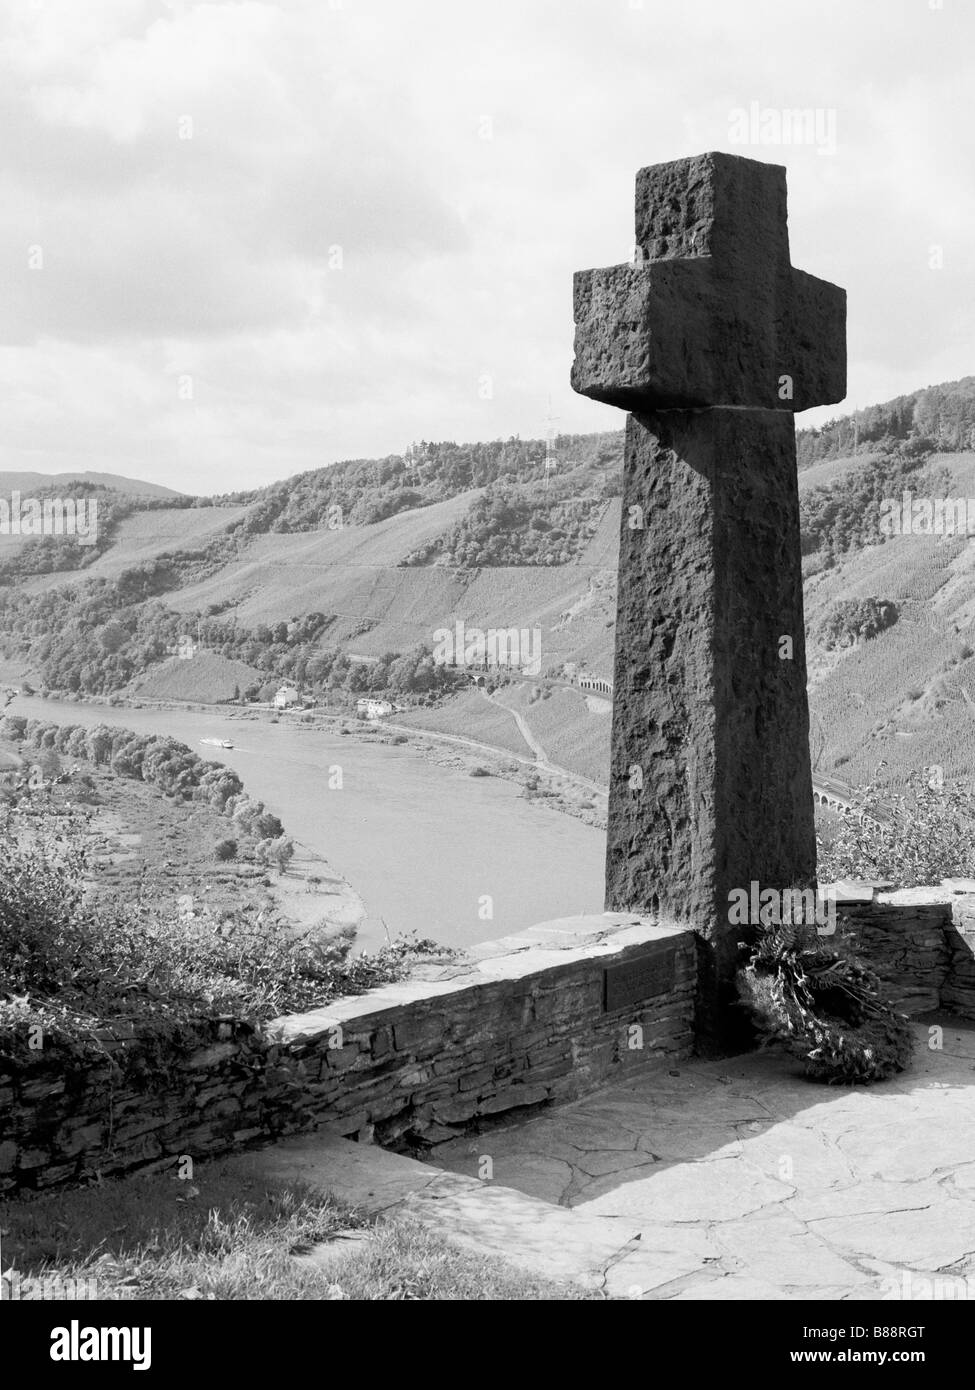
920 943
545 1016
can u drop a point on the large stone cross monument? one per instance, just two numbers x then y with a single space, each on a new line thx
713 341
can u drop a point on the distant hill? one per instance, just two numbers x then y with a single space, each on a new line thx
142 538
937 417
905 699
25 483
369 558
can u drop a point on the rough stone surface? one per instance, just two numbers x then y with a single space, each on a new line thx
712 312
909 945
710 785
704 707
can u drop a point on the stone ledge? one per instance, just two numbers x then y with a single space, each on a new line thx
561 942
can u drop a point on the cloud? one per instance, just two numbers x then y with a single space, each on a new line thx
338 219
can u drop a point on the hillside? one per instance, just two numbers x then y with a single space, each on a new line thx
905 698
379 606
830 471
141 537
27 483
280 584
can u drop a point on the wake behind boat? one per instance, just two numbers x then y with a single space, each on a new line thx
217 742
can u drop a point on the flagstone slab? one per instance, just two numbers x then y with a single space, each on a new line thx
718 1190
918 1151
685 1141
930 1238
864 1198
778 1248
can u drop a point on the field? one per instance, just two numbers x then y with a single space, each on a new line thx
143 536
470 715
207 677
903 700
380 606
573 729
827 472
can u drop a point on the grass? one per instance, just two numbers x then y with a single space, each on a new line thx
224 1237
469 715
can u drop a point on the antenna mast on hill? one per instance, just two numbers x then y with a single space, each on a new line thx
412 462
551 462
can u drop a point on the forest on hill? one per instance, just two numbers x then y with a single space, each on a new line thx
360 492
935 418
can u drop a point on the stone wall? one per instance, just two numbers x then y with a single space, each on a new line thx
518 1023
920 942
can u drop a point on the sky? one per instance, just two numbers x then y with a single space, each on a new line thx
241 240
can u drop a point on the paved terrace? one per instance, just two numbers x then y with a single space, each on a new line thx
745 1180
709 1180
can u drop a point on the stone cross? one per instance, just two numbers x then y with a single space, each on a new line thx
713 341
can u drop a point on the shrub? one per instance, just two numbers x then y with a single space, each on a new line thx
42 935
268 826
72 965
49 763
911 840
281 852
224 850
850 621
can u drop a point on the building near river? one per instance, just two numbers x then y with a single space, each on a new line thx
373 709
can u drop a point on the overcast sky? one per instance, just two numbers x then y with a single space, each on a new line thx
240 240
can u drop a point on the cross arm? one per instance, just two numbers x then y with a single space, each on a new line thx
677 333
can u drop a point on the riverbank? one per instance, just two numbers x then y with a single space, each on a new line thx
430 849
164 854
541 783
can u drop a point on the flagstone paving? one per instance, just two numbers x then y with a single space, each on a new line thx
736 1179
741 1179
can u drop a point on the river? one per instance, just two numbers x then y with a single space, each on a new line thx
428 848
